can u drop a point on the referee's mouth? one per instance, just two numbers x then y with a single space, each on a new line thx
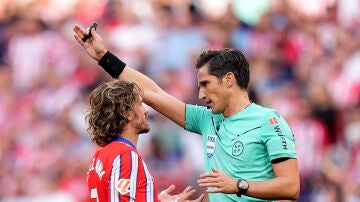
208 104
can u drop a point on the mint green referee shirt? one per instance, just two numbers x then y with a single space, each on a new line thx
242 145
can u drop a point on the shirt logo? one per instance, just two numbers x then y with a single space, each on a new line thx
123 186
237 148
281 136
273 121
210 145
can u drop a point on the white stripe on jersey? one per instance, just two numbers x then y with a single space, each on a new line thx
133 175
149 184
115 176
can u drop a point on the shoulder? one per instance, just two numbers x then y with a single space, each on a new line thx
260 111
118 153
196 107
261 108
266 115
197 110
116 148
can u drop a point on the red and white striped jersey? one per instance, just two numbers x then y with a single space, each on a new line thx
117 173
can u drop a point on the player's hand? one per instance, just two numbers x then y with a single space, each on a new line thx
94 45
218 181
184 196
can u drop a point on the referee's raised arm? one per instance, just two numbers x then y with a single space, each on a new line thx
154 96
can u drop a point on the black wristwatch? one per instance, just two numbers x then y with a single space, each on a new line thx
243 186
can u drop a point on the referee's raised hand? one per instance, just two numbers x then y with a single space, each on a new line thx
94 45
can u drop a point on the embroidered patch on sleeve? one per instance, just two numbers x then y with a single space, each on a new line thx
273 121
123 186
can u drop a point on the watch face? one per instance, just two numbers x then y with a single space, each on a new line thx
243 184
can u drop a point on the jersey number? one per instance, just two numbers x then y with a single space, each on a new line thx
94 194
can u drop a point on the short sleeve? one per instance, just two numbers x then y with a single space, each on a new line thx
124 174
195 116
277 136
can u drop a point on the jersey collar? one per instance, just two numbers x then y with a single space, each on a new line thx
121 139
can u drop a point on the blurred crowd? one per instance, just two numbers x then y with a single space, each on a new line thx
304 61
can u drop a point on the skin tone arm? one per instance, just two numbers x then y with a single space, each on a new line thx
285 185
154 96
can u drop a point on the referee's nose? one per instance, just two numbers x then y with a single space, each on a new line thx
201 95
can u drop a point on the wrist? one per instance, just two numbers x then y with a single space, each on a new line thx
101 54
243 187
111 64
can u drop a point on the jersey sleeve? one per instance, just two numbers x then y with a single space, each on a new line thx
123 177
118 173
194 118
277 136
131 180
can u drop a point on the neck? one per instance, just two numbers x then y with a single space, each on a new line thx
237 102
133 138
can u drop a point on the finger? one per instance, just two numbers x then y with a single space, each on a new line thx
215 190
201 197
79 40
206 185
170 189
87 35
78 35
203 181
79 31
187 195
186 190
206 175
215 170
95 34
208 179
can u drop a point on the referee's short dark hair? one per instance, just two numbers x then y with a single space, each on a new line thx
225 60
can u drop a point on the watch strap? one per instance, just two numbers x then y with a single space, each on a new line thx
241 190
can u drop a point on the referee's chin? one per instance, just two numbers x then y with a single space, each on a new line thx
214 112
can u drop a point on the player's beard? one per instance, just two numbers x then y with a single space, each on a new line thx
143 126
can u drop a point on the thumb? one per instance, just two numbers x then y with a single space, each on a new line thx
94 34
215 170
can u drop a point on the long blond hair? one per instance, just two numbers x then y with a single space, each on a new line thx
110 104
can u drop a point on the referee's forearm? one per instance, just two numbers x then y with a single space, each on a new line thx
111 64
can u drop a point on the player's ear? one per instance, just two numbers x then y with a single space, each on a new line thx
130 116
